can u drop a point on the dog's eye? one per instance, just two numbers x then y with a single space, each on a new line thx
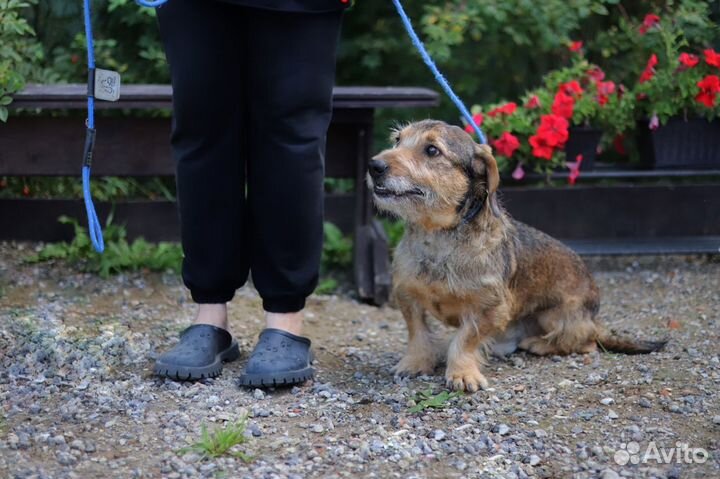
397 140
432 150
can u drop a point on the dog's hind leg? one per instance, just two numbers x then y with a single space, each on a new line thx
567 328
422 353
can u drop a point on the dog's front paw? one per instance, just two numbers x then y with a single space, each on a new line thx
468 378
414 365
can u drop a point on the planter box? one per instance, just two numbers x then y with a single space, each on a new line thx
583 141
692 143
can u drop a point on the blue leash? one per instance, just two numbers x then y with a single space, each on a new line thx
94 228
436 73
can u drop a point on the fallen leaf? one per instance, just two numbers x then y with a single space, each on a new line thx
673 324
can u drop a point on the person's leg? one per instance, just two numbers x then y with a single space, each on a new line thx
291 76
203 47
291 71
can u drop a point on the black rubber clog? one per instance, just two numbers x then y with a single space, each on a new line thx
279 359
200 354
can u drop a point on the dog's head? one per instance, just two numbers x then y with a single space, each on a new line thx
435 176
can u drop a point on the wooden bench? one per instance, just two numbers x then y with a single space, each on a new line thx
139 146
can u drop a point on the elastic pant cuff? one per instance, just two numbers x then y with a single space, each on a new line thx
211 297
290 304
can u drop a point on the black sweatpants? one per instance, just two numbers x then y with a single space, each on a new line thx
252 95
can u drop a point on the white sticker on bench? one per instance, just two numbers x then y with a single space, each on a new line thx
107 85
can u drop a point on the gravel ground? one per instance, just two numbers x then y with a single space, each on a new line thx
77 398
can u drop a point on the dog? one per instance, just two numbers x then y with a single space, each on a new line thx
503 284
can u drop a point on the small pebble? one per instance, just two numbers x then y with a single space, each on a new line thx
609 474
502 429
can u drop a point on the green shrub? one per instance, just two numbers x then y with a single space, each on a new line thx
119 254
337 249
21 55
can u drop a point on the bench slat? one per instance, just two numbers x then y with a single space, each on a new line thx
72 96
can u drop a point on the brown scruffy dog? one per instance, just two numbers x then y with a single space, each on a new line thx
503 284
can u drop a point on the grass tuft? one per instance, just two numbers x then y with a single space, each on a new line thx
220 441
427 400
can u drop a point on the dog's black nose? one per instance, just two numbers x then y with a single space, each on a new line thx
377 168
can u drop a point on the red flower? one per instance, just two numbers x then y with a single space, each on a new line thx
574 169
74 58
596 73
506 144
649 71
571 88
605 89
575 46
478 120
619 144
649 21
552 133
540 147
688 59
709 88
712 58
555 129
3 183
26 190
533 102
506 109
563 105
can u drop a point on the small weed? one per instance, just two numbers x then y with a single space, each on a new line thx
326 286
219 442
426 400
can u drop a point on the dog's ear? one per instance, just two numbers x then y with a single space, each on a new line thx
484 163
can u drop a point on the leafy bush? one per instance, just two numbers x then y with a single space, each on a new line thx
104 188
126 40
21 55
119 254
337 249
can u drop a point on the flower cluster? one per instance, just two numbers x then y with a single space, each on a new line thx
674 82
552 134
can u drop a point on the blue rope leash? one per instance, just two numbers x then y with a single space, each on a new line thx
94 228
436 73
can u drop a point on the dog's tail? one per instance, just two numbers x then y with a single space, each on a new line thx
609 341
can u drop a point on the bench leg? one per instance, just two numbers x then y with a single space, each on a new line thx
371 252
